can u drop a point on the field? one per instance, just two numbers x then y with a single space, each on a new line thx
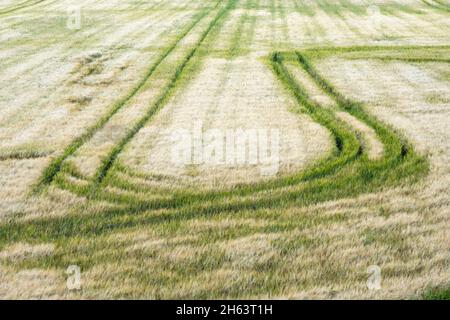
353 95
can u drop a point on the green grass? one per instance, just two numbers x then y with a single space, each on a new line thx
437 294
437 4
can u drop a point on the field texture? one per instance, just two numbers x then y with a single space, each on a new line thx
354 97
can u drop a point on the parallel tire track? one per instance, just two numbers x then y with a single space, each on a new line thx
303 187
110 159
437 5
354 176
23 155
55 166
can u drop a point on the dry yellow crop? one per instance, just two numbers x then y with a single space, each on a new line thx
203 149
